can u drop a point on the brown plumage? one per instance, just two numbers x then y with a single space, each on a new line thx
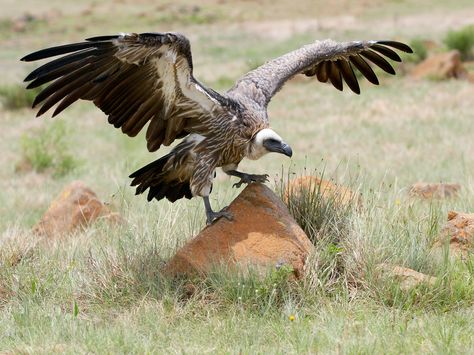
140 79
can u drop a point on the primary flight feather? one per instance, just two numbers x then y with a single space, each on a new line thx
147 78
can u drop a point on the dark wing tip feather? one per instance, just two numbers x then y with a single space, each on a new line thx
378 60
55 51
102 38
386 52
348 75
397 45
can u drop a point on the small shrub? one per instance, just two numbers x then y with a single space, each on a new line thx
462 40
319 215
327 223
16 97
420 52
48 149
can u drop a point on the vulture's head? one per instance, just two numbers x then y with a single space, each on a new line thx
267 141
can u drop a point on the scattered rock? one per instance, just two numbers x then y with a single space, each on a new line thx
441 66
458 233
434 190
408 278
430 45
23 166
470 77
87 12
112 218
262 234
328 190
20 24
76 206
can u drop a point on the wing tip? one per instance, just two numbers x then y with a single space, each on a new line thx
397 45
102 38
28 58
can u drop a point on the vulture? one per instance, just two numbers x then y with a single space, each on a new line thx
147 79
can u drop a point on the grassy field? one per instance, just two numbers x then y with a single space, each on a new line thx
101 291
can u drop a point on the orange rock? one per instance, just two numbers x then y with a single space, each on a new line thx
76 206
328 190
470 77
430 44
262 234
441 66
408 278
436 190
458 232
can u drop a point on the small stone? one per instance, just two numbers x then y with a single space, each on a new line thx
458 232
76 206
408 278
434 190
441 66
262 234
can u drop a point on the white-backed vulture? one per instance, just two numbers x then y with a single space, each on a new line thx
147 78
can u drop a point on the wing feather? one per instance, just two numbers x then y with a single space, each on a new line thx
132 78
364 68
335 76
327 60
322 72
379 61
348 74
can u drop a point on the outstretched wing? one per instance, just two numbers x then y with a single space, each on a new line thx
132 78
327 60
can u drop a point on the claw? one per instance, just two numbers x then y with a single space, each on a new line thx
214 216
249 178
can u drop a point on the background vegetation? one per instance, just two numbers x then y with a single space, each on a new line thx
101 290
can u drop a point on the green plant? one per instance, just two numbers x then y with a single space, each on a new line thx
324 212
321 212
251 290
420 52
48 149
462 40
15 97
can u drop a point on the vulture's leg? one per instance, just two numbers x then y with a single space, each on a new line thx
213 216
247 178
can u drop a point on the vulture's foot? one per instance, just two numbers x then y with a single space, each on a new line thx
249 178
214 216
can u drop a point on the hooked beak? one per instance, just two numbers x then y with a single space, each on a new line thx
278 147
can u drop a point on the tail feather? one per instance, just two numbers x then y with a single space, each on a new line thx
159 182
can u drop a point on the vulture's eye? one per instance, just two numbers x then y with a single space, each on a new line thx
271 141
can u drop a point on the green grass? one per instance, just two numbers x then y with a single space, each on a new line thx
14 97
102 289
461 40
48 150
420 52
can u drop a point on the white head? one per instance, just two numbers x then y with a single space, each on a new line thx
267 141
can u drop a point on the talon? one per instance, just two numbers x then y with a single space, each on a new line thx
250 178
214 216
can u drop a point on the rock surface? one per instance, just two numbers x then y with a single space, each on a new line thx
262 234
328 190
441 66
458 233
76 206
408 278
436 190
